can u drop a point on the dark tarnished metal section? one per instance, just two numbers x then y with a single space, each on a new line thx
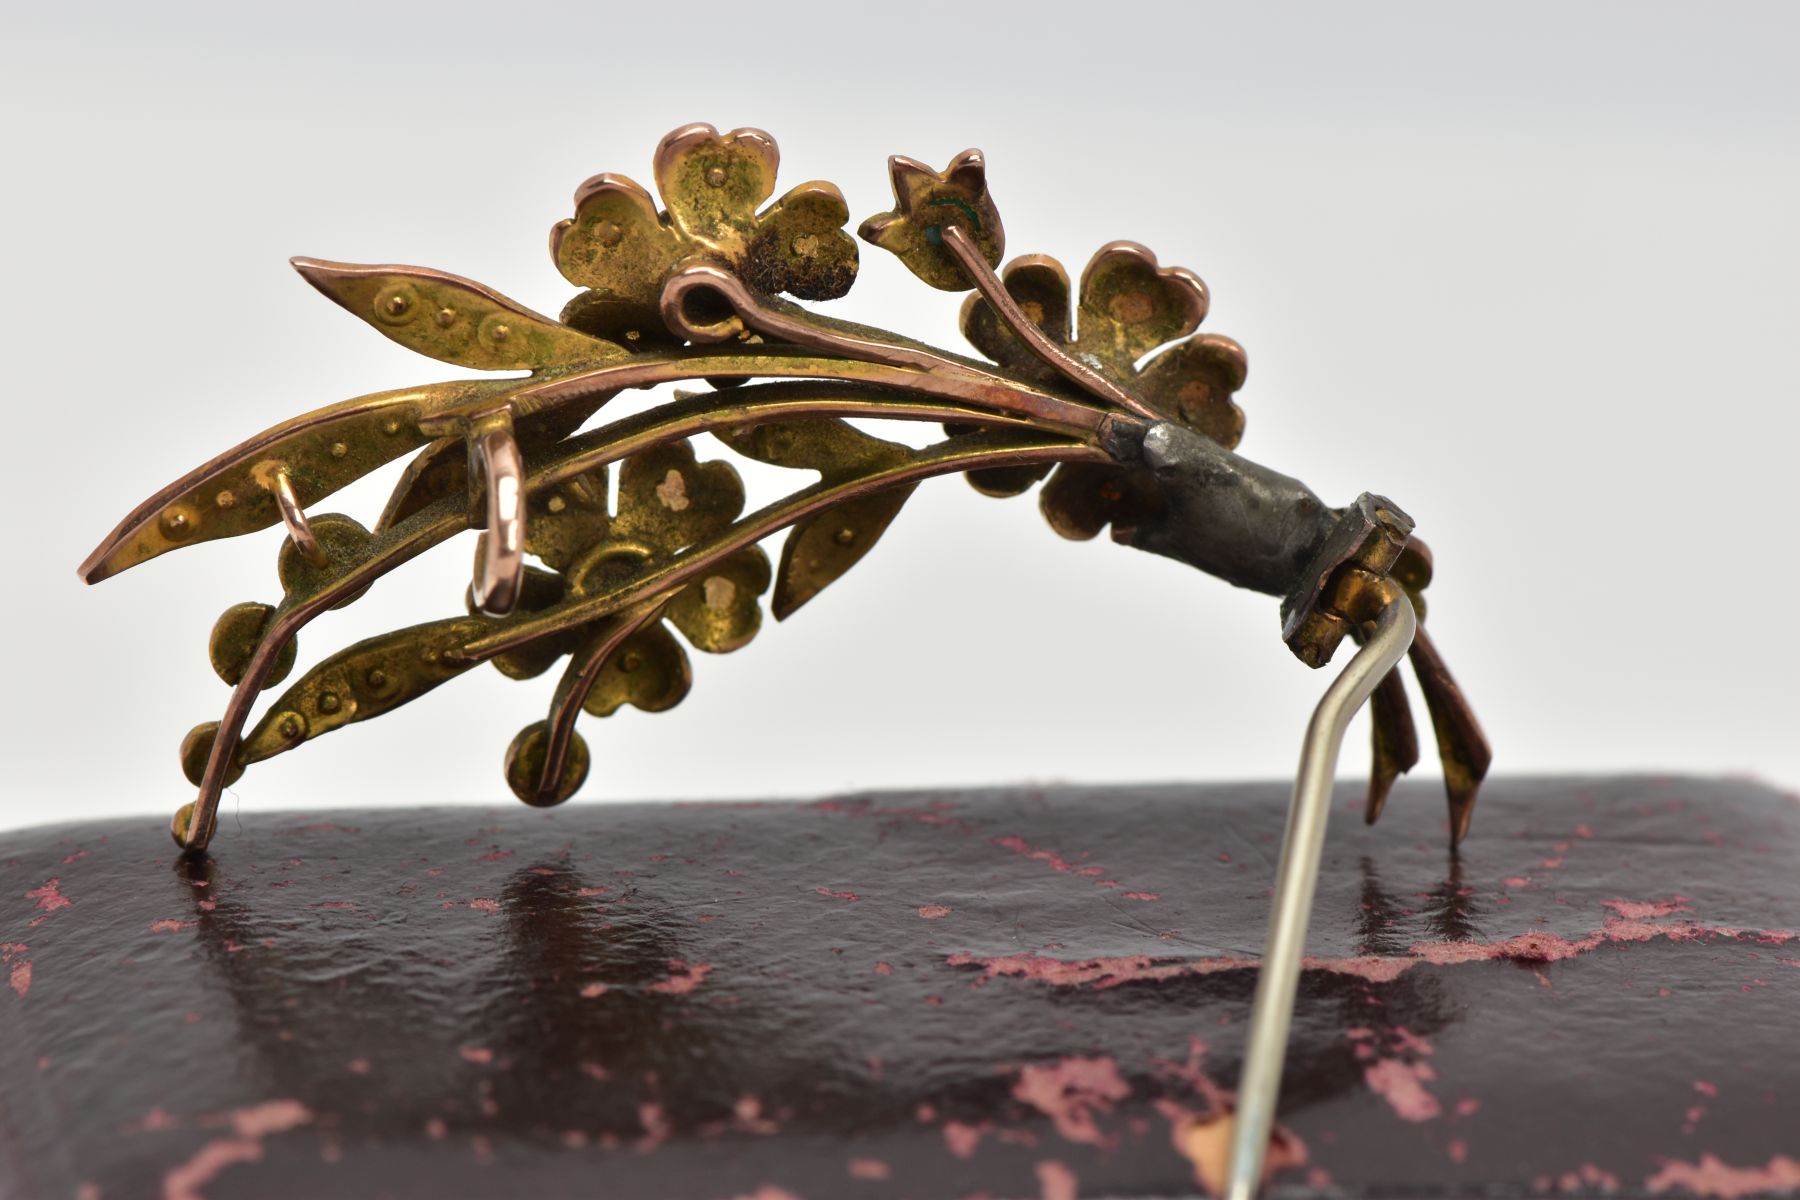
1104 389
1369 534
1228 516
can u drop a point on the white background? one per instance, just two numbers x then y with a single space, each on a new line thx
1530 270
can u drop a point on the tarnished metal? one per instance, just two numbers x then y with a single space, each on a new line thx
1106 388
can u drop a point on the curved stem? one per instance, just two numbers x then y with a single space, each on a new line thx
958 454
410 539
992 393
446 518
577 681
789 323
756 404
993 290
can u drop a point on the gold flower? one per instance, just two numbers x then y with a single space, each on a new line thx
667 502
1128 307
619 245
924 202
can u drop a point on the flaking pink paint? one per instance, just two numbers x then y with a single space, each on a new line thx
1713 1178
249 1127
49 897
961 1138
12 955
683 978
1071 1091
1638 910
1056 1181
1402 1085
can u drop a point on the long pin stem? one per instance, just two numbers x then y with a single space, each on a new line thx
1272 1010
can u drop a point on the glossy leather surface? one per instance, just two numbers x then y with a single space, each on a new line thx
1012 992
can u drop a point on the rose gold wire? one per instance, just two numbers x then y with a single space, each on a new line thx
578 681
995 394
993 290
500 564
294 517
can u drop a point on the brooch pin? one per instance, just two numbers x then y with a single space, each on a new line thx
1101 389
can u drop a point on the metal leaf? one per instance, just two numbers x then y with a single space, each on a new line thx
1394 740
821 548
368 679
452 319
321 452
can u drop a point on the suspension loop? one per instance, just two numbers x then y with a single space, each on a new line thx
294 517
497 469
1272 1010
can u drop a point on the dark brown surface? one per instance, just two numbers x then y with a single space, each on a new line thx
1013 992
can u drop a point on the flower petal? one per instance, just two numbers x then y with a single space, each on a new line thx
800 246
650 670
1081 499
1041 286
562 523
720 612
712 184
541 590
235 637
1000 482
667 500
616 243
1193 383
925 201
634 324
1130 306
911 180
